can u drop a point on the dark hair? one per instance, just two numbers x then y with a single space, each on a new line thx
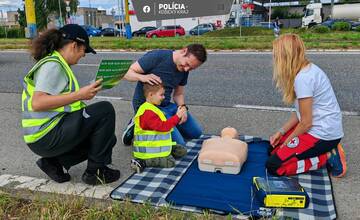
198 50
151 88
47 42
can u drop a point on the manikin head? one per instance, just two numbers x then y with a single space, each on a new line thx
229 132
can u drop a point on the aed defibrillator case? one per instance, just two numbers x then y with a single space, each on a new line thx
225 159
280 192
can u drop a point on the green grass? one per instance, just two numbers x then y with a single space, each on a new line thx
77 208
225 39
62 207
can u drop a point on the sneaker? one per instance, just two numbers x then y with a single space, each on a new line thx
137 165
53 169
162 162
337 162
100 176
128 134
178 151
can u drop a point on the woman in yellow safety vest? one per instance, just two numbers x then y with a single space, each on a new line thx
57 125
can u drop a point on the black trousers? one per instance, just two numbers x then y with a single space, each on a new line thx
87 134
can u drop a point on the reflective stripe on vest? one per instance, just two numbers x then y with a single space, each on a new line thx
151 144
37 124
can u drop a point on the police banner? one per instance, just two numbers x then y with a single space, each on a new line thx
150 10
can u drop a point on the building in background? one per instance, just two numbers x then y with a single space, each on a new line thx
94 17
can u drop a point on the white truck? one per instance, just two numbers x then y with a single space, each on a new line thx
315 13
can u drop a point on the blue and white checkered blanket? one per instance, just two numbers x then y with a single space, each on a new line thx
153 185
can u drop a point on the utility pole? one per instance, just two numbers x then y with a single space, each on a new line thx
127 20
332 8
60 18
120 20
30 19
270 14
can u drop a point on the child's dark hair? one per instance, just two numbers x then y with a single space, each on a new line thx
47 42
151 88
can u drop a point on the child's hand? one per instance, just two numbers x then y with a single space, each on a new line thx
181 111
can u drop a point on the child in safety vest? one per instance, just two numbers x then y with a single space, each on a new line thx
153 145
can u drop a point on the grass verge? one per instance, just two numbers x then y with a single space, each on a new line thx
226 39
56 207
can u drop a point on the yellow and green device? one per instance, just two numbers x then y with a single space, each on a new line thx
280 192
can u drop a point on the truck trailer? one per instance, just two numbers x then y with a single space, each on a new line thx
315 13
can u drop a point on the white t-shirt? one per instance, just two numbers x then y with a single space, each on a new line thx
327 120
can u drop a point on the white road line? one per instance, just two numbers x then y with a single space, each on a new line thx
256 107
108 97
87 64
49 186
282 109
327 52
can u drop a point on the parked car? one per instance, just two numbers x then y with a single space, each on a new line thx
230 22
354 25
202 29
109 32
330 22
91 30
166 31
142 31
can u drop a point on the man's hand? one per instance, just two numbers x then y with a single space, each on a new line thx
152 79
88 92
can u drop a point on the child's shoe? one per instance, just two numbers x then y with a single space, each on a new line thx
178 151
162 162
137 165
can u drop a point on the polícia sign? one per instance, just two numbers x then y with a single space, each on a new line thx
150 10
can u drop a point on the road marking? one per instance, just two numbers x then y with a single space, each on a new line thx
328 52
87 64
282 109
108 97
49 186
256 107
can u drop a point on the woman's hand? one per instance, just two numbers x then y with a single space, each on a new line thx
275 138
88 92
152 79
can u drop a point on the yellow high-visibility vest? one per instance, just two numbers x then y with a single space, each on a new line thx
151 144
37 124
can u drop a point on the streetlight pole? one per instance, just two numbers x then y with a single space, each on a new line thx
269 14
60 18
68 21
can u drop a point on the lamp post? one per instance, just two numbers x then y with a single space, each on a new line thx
68 21
60 18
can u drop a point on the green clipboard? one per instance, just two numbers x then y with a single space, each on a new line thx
112 71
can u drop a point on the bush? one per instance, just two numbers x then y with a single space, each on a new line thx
341 26
320 29
357 29
12 32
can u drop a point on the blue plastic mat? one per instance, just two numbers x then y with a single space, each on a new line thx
223 192
154 185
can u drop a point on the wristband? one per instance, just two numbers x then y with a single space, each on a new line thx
187 108
282 132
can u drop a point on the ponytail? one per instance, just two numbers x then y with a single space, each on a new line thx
47 42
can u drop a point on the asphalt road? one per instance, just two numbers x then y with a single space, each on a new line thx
226 79
222 82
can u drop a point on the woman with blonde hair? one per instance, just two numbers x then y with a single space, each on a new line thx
311 136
